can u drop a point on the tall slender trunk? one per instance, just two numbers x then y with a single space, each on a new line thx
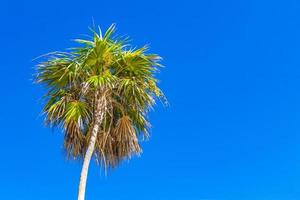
99 114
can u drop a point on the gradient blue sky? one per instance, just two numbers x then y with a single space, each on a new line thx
232 78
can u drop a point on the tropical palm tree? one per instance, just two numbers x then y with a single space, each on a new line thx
100 93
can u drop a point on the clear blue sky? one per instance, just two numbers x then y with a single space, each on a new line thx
232 78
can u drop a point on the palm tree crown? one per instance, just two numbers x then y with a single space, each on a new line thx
103 76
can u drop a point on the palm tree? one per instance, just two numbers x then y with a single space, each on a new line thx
100 93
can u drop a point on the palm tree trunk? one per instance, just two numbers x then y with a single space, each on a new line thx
99 113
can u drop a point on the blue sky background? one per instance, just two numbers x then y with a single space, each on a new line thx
232 78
